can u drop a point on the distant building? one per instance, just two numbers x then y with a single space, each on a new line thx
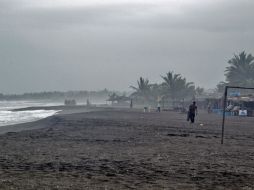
70 102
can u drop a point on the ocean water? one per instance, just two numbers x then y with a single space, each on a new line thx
8 117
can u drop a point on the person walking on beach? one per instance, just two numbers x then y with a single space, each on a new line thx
193 111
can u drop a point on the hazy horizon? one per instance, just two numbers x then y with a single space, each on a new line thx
66 45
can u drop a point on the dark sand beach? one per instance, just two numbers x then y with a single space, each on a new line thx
127 149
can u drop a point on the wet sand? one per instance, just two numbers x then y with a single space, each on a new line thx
128 149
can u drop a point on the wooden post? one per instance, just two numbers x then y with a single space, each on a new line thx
224 112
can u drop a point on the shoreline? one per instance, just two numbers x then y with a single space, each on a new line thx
41 123
62 108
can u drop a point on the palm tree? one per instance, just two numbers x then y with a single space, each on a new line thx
199 91
241 70
143 89
171 84
176 87
221 86
117 98
189 90
112 97
156 91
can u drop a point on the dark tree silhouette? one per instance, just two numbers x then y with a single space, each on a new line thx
240 71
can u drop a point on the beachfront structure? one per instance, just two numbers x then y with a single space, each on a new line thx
235 105
242 104
117 100
70 102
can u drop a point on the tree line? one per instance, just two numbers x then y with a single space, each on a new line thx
57 95
175 88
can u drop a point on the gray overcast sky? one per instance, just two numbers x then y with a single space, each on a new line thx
95 44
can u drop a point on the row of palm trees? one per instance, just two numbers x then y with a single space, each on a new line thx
239 72
174 88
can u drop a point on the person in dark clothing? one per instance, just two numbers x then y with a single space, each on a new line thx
131 104
193 111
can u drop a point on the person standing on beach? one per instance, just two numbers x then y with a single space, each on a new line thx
209 109
193 111
131 104
159 104
158 107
